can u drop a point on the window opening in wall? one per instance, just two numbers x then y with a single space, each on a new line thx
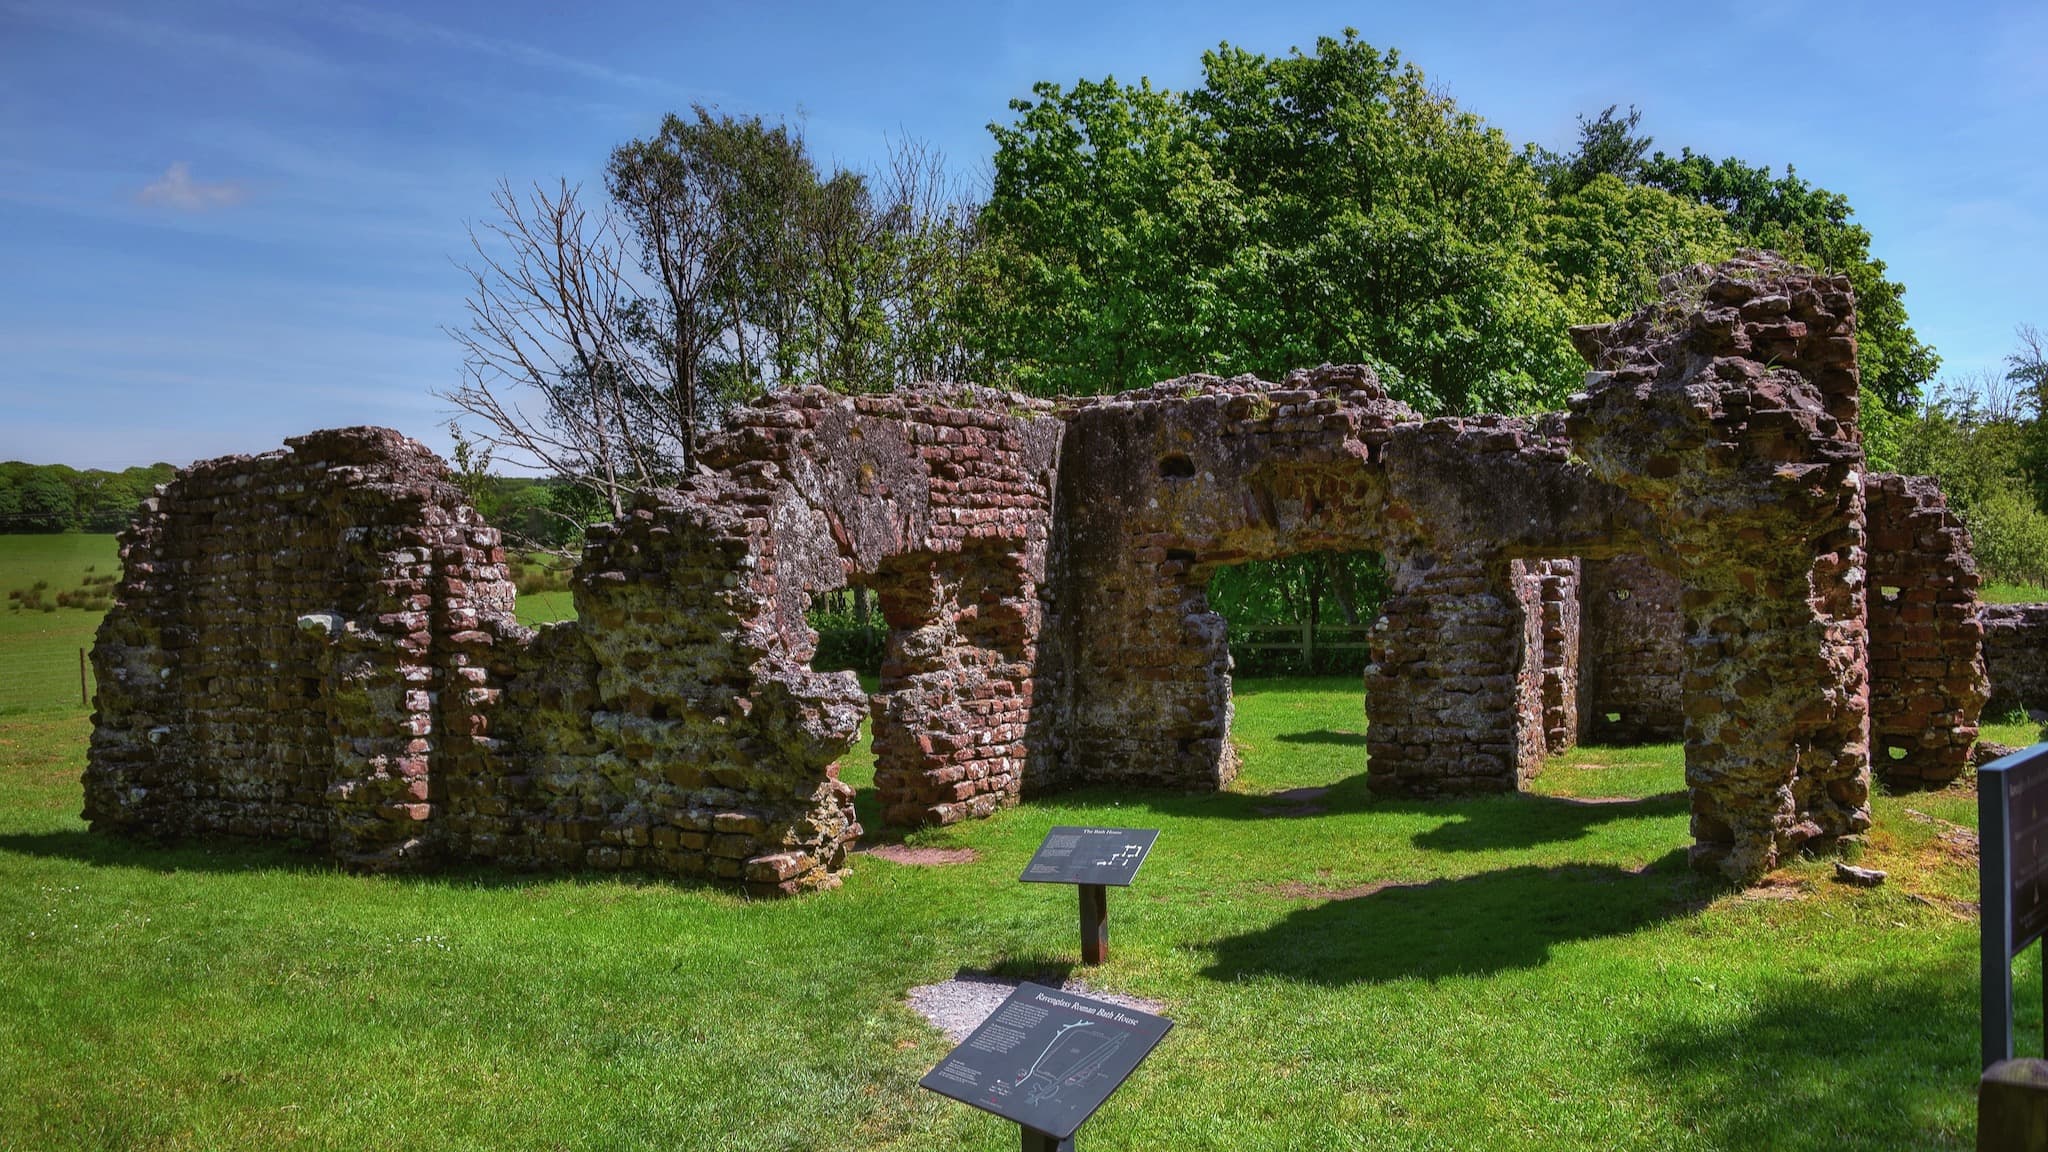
1614 717
851 634
852 637
1889 592
1307 615
1896 752
1176 466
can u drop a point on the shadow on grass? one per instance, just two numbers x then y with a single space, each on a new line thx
1471 824
1324 736
99 850
1524 821
1470 926
1889 1063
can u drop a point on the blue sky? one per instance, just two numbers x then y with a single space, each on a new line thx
224 223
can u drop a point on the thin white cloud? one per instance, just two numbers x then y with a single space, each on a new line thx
178 190
408 30
203 47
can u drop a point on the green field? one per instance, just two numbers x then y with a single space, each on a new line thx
1534 971
2012 594
39 649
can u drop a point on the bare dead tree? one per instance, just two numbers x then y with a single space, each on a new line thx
930 219
601 342
553 373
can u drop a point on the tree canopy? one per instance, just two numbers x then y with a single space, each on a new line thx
1289 211
1334 206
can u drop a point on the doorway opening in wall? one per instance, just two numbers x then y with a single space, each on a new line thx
1300 631
853 637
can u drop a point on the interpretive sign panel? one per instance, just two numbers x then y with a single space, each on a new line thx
1090 856
1047 1059
2012 876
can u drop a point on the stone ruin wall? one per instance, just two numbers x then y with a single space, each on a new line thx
318 644
1729 411
1927 683
1631 653
1043 571
2016 657
287 647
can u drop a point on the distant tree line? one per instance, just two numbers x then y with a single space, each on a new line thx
56 498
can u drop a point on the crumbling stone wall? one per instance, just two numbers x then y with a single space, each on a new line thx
1551 599
1631 653
318 643
1927 683
1158 489
1730 411
277 663
2016 656
1454 700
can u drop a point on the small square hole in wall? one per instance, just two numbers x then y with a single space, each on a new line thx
1896 752
1620 594
1890 593
1176 466
1614 717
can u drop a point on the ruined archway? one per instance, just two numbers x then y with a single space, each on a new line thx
1042 567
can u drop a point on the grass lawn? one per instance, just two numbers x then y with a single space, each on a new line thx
39 650
2012 594
1535 971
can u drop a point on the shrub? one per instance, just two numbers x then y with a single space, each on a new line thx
2010 536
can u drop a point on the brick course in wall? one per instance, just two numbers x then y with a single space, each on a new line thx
1631 653
1927 684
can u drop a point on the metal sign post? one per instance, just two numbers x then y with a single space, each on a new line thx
2012 847
1092 859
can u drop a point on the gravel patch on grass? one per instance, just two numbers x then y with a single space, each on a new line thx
958 1006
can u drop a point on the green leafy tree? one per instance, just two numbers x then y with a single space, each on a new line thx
1812 225
1973 437
45 502
1288 211
1608 146
1606 243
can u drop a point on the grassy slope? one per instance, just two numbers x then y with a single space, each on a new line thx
39 650
1523 971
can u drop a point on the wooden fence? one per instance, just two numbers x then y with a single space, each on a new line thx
1306 639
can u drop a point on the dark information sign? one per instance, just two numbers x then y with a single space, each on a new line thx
1091 856
1048 1059
2012 877
2028 792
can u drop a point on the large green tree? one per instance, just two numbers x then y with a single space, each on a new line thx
1289 210
1814 226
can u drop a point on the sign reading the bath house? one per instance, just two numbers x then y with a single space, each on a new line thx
1047 1059
1091 856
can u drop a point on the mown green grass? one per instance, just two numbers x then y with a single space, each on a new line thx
39 650
1346 972
2012 594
